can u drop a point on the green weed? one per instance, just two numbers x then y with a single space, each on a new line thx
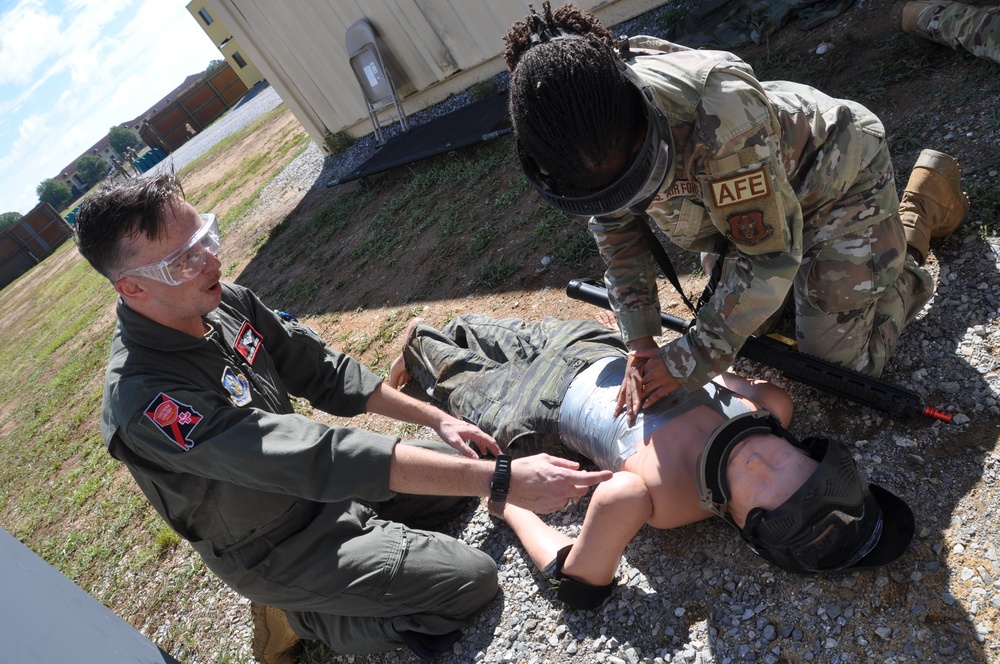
493 274
337 143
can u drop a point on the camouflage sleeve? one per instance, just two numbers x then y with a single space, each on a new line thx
742 297
649 43
747 196
630 277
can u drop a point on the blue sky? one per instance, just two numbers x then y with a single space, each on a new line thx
70 69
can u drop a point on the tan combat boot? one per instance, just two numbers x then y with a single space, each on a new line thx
904 15
274 640
933 203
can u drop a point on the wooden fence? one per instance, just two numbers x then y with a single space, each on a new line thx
197 107
28 242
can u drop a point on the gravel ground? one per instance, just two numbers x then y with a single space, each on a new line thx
697 595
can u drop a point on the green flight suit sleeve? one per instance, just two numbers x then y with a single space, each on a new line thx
286 454
330 380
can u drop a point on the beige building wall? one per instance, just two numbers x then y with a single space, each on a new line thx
433 48
228 45
209 22
238 59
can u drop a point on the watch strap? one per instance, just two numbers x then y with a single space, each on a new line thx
500 486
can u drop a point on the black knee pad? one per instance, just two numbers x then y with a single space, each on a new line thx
576 594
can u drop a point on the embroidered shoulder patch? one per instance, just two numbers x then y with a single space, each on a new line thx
748 228
175 419
740 188
237 386
248 342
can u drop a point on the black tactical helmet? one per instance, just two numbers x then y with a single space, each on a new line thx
833 522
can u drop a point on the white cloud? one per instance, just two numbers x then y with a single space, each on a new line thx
23 46
70 69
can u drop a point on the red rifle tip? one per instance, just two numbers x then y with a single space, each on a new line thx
937 414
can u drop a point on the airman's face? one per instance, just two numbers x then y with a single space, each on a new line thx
181 306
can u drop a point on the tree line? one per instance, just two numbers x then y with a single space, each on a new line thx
91 169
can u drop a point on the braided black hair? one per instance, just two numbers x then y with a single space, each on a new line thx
573 110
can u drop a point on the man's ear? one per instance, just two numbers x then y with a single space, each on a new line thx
130 289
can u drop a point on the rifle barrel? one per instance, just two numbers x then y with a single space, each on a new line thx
798 366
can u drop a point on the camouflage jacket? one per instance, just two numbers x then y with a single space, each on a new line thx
772 168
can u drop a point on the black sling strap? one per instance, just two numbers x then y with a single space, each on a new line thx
663 260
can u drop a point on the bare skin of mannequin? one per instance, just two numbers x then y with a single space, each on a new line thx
656 485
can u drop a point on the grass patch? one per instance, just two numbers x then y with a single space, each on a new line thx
577 248
53 467
231 140
337 143
390 327
493 274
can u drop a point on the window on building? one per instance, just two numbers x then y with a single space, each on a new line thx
238 59
205 16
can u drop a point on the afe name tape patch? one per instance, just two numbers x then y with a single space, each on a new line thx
740 188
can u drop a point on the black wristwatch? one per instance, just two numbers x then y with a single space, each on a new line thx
500 486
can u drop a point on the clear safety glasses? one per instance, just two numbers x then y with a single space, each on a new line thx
187 262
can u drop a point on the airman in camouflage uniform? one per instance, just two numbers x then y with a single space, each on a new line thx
800 185
794 189
975 29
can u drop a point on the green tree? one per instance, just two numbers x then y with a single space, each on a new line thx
8 219
121 139
212 65
54 192
91 169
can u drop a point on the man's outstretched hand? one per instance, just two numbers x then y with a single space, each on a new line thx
543 483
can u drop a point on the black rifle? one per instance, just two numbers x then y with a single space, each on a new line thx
795 365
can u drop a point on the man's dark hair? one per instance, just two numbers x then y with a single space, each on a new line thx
120 211
571 106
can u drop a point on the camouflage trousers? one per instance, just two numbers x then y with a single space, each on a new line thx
506 375
854 294
975 29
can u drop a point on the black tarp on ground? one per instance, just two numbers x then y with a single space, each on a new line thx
468 125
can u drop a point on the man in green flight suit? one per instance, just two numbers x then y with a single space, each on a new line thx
327 529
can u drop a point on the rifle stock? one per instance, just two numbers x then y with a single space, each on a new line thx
798 366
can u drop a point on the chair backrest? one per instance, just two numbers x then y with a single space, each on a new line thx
366 61
371 74
359 35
